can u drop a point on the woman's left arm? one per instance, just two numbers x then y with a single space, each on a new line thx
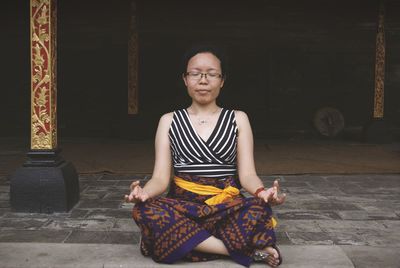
245 162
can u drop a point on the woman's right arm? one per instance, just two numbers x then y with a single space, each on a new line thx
160 179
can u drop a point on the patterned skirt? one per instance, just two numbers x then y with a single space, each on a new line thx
172 226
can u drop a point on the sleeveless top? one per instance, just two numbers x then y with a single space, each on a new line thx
215 157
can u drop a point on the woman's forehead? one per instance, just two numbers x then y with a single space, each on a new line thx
204 60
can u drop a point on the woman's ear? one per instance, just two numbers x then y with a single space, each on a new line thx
184 79
222 83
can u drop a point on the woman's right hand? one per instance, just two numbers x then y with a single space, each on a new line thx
138 194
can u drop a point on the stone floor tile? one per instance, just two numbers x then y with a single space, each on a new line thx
298 226
282 238
381 238
90 177
307 215
4 188
328 205
109 214
368 215
78 213
347 238
5 204
4 196
125 184
22 223
4 211
92 194
373 257
347 225
310 238
102 183
82 224
116 196
125 177
125 225
300 190
103 237
99 204
353 215
38 236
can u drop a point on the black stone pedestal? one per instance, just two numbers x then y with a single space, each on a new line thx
44 184
377 131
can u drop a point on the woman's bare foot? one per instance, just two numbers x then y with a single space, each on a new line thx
270 255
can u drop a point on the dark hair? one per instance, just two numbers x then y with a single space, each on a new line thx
204 48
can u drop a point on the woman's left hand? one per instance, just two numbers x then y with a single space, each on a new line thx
272 195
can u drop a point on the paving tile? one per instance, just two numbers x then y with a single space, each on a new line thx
92 194
125 225
102 183
78 213
5 204
381 238
116 196
348 225
98 204
4 211
4 188
23 215
282 238
307 215
323 205
83 224
298 226
27 224
38 236
103 237
368 215
310 238
4 196
346 238
296 198
109 213
125 177
300 190
125 184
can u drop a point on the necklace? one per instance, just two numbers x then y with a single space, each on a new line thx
206 120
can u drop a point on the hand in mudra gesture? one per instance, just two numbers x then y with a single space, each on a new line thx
272 195
138 194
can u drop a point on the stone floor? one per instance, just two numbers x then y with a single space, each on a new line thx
350 211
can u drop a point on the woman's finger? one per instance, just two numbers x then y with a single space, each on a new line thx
134 184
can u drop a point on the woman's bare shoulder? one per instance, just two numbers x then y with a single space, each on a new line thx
241 117
166 119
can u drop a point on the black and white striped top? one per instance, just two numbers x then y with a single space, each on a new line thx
215 157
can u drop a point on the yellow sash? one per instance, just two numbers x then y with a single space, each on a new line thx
220 195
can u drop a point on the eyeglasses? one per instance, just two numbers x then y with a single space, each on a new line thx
199 76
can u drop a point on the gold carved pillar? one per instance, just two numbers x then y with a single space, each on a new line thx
378 130
133 62
380 65
45 183
43 75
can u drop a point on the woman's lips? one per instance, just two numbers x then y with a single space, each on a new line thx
203 91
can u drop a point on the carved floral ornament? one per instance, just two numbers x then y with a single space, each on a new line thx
43 121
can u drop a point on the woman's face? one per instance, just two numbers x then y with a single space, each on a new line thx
203 88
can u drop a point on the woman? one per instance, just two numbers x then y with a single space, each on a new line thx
204 216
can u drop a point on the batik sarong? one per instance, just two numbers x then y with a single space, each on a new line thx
172 226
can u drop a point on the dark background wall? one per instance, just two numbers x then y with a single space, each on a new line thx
287 59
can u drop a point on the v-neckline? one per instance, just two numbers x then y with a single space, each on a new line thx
213 131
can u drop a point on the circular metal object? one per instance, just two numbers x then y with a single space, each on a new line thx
329 121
